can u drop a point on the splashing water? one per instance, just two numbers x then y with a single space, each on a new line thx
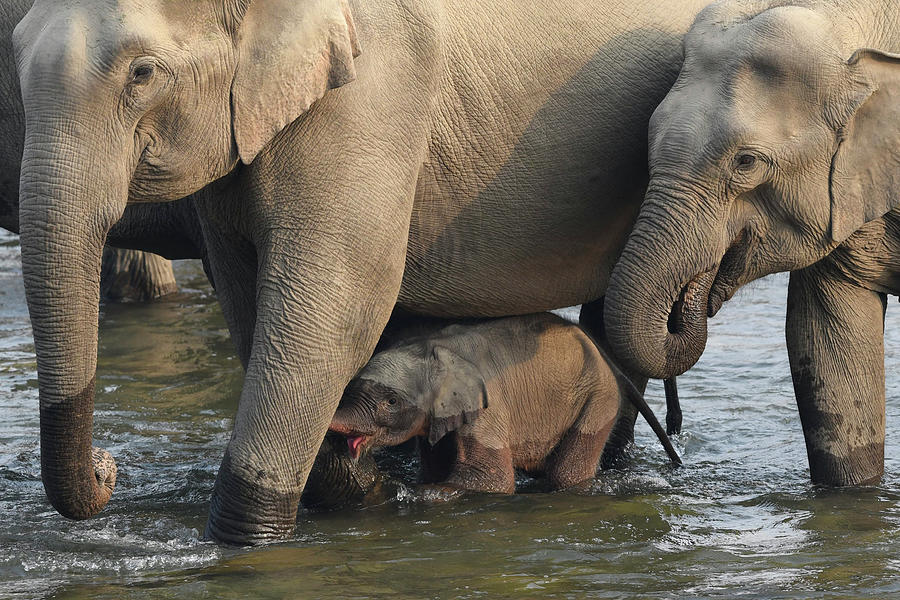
740 520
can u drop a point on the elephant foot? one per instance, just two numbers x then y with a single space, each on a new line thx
243 512
861 466
134 276
104 468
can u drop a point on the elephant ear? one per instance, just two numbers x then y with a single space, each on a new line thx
290 52
460 393
865 171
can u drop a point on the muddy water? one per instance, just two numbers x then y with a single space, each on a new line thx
739 521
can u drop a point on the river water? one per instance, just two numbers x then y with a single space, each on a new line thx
740 520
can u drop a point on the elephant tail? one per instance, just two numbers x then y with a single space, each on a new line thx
637 399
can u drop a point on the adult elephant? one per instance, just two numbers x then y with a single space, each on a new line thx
488 158
130 273
778 149
127 274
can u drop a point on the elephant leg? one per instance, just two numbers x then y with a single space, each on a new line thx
482 469
591 320
231 267
327 207
576 457
436 462
673 407
835 341
314 329
131 275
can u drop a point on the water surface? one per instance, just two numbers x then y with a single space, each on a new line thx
741 520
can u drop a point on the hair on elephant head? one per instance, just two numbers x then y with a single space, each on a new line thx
779 139
413 390
126 102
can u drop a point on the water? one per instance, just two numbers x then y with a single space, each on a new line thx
741 520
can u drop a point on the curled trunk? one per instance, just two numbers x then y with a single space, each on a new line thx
337 480
657 301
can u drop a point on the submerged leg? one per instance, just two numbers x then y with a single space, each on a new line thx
673 407
835 340
132 275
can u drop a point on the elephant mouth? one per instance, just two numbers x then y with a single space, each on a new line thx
356 440
703 296
732 270
356 444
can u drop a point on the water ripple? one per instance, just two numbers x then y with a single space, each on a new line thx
740 520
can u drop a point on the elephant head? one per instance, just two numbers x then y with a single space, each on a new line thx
780 138
136 101
413 390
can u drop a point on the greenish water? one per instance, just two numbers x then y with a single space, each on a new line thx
740 520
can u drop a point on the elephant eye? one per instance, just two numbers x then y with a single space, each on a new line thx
745 161
141 73
392 401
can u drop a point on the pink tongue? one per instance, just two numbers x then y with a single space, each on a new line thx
355 445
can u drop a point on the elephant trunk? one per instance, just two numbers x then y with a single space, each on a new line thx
356 422
336 480
350 420
657 301
64 216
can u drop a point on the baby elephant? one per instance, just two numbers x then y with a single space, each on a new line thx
553 400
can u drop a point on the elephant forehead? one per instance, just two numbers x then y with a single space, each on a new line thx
782 44
734 76
397 369
394 361
89 36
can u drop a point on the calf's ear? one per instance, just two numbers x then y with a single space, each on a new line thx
460 396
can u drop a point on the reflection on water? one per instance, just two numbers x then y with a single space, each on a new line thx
739 521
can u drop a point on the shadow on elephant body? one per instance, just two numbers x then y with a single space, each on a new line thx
618 180
573 243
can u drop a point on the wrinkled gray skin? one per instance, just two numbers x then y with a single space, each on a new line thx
459 158
337 480
778 149
532 392
128 275
133 275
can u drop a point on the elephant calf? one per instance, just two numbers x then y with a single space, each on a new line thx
553 400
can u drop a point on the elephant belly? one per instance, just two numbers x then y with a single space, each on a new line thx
537 158
531 457
500 258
